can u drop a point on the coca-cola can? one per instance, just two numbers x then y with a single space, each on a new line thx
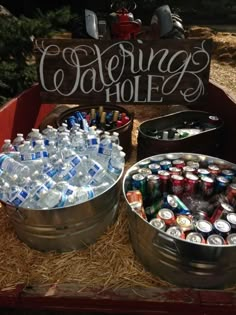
206 185
221 212
175 170
177 184
164 181
191 183
167 216
178 163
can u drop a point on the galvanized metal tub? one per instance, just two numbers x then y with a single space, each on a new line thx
68 228
178 261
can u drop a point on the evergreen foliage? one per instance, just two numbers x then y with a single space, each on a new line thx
17 66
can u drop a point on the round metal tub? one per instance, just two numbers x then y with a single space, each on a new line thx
68 228
176 260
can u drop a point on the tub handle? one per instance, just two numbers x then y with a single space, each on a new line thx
164 242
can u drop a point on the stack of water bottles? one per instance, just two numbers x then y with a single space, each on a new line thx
59 167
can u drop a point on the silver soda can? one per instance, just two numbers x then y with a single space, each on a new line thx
158 224
215 239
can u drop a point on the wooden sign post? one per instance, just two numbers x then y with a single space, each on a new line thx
120 72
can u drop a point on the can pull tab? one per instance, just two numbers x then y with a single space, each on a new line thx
164 242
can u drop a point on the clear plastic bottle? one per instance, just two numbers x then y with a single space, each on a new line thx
17 196
46 134
7 146
34 135
40 151
115 137
96 174
116 165
92 143
28 158
104 150
62 128
79 144
19 139
13 168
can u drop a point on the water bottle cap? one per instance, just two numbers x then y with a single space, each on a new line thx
39 141
19 134
115 133
49 126
122 154
7 141
35 130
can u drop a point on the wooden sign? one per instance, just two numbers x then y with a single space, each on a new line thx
119 72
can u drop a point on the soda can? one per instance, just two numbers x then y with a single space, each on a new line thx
200 215
222 227
158 224
139 183
221 184
145 171
214 170
201 172
178 163
153 187
140 212
156 159
181 207
144 163
167 216
164 181
188 169
231 218
215 239
231 194
206 186
175 231
191 184
221 212
229 174
134 198
184 222
204 227
165 165
177 184
170 203
128 182
195 237
231 239
193 164
154 167
175 170
152 210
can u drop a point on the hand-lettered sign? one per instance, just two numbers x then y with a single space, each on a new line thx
133 72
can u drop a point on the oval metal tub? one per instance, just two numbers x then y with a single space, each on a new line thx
68 228
178 261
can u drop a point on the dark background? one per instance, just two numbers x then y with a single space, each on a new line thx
191 11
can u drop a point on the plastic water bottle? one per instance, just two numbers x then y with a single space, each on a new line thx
74 129
40 151
46 134
115 137
7 146
104 150
116 164
28 158
13 168
62 128
17 196
34 135
51 148
92 143
96 174
79 144
52 199
19 139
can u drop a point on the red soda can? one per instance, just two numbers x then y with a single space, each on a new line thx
177 184
195 237
206 185
178 163
175 170
176 232
189 169
231 194
164 180
134 198
221 212
191 183
167 216
214 170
